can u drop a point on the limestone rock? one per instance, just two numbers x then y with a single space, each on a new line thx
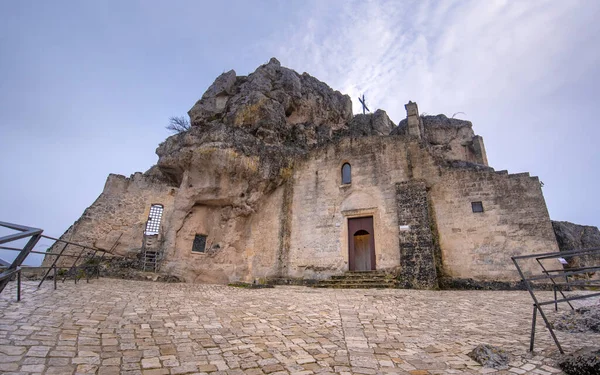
583 319
490 356
449 139
214 99
377 123
585 361
573 237
272 103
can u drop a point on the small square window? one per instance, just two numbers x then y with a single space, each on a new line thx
199 243
477 206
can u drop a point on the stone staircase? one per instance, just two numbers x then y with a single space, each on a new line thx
359 280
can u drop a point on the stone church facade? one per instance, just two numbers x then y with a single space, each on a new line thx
277 179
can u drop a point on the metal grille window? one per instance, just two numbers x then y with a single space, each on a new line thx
346 175
153 224
477 206
199 243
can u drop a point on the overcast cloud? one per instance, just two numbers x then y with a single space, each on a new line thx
87 88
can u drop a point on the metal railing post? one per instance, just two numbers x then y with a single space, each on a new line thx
53 265
74 265
532 340
19 285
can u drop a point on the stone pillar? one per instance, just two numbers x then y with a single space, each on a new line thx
413 119
417 258
479 150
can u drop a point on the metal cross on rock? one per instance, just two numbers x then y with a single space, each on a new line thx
364 103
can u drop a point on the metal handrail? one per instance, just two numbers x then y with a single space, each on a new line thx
35 234
552 274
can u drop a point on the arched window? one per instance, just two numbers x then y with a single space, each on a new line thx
153 223
346 174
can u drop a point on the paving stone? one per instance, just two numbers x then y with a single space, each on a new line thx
151 363
38 351
12 350
5 367
33 368
59 370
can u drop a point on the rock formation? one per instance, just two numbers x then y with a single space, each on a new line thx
585 361
249 130
576 237
490 356
253 190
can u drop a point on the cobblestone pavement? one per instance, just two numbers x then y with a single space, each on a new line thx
130 327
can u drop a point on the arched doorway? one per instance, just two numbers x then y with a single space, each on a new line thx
361 244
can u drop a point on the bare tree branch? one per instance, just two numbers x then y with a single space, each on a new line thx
178 124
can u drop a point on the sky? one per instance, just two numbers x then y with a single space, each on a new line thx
87 88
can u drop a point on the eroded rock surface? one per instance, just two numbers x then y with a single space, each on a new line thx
583 319
448 138
273 104
377 123
585 361
575 237
490 356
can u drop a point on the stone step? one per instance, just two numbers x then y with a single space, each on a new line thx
360 276
359 281
357 286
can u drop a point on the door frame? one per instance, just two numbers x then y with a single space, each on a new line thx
354 225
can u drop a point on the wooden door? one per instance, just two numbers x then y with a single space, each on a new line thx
361 244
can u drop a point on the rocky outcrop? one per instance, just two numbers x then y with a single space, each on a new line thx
583 319
575 237
273 103
431 123
449 139
377 123
585 361
490 356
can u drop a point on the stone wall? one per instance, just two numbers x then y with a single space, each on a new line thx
299 230
118 216
479 245
471 245
322 204
415 236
